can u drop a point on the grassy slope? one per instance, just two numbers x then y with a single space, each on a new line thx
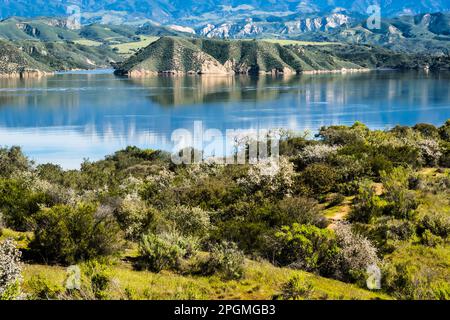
66 55
261 282
129 48
111 34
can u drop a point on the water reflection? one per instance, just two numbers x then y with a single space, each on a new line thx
70 116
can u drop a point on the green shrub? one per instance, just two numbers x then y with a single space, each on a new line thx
42 289
417 273
18 203
296 288
320 178
335 199
189 221
306 247
427 130
402 202
444 131
367 205
225 259
67 234
298 210
436 223
98 277
12 160
165 251
343 135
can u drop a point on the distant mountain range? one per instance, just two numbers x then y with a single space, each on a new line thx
192 12
428 33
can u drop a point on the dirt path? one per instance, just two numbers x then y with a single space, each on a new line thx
339 213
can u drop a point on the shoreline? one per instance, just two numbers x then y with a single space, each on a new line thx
147 73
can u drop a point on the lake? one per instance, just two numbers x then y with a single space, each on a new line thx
71 116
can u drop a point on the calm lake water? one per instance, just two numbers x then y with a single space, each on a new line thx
71 116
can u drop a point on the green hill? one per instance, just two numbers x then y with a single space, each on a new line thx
69 55
14 62
41 29
171 55
181 55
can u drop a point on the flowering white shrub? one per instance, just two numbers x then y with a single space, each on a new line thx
430 151
131 186
271 175
10 269
356 254
317 153
162 179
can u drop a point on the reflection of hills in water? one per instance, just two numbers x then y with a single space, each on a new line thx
106 106
188 90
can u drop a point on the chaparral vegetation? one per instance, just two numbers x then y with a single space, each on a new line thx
351 213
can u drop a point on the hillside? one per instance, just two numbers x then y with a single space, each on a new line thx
69 55
14 62
203 56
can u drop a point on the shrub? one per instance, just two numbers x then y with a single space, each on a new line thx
10 270
226 259
67 234
417 273
274 178
431 152
320 178
42 289
98 277
366 205
356 254
436 223
135 217
298 210
18 203
315 153
296 288
306 247
342 135
388 232
335 200
165 251
444 131
401 201
189 221
427 130
12 160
